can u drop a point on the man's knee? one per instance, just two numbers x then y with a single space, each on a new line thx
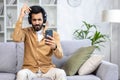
22 73
61 72
61 75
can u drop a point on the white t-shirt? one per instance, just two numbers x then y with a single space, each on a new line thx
39 35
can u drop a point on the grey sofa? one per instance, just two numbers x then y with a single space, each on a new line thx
11 59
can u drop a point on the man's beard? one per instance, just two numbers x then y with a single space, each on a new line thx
37 27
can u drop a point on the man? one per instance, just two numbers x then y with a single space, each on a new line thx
38 49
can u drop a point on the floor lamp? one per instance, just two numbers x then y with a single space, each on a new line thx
111 16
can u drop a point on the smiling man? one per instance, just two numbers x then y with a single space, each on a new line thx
38 49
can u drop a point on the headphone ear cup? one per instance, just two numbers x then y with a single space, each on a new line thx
29 20
45 18
44 21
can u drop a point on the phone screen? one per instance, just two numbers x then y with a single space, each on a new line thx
48 32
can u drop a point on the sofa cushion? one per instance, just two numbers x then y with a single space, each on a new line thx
77 59
7 76
8 57
90 65
20 55
70 46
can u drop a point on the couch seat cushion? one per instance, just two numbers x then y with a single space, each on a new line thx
85 77
7 76
20 55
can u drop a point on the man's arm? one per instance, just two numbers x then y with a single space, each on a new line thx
58 49
18 34
55 45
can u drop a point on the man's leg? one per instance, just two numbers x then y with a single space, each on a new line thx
56 74
25 74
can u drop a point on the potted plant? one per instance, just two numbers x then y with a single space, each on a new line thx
89 31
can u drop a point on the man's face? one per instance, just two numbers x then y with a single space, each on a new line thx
37 21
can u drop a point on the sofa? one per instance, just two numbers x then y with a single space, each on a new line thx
12 53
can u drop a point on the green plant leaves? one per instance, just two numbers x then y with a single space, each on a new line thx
96 38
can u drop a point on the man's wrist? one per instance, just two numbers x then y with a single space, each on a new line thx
55 47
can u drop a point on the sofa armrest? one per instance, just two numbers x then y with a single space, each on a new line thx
107 71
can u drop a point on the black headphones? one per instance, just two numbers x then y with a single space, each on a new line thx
37 9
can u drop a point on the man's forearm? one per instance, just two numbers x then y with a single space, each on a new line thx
18 33
58 53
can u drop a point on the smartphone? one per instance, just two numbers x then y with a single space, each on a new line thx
48 32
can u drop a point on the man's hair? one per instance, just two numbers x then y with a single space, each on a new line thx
36 10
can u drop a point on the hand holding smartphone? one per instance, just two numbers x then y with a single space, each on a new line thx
49 39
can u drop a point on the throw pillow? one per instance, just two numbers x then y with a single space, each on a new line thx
77 59
90 65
